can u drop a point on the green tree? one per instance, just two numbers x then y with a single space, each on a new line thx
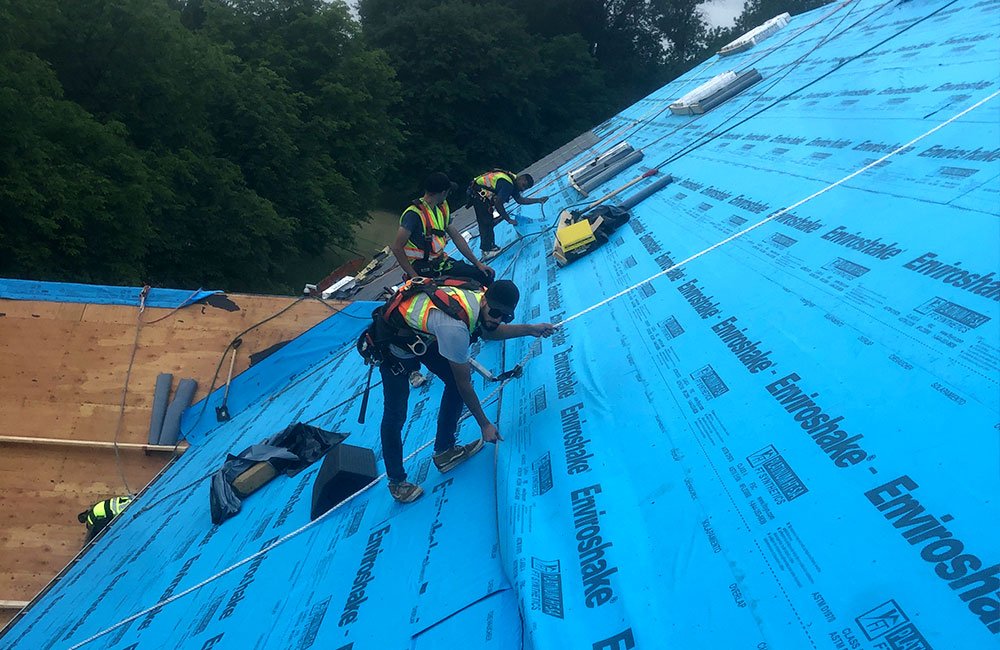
756 12
73 194
640 44
213 142
342 134
480 90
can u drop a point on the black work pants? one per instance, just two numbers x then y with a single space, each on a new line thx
484 217
396 395
452 268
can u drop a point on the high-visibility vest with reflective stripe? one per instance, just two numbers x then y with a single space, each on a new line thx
435 222
487 183
417 309
107 509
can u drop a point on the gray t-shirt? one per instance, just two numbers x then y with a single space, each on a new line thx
452 336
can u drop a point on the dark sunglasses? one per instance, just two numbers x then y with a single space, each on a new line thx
504 317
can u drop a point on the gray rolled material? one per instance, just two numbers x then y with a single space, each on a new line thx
596 167
611 171
161 394
740 84
646 192
172 420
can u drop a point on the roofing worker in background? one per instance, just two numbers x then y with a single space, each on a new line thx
489 192
424 229
99 515
446 325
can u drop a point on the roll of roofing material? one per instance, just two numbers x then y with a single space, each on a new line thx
161 395
742 82
601 163
756 35
172 420
612 171
646 192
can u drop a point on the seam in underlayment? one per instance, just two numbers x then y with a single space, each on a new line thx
621 293
784 210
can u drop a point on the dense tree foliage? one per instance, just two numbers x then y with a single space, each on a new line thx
186 144
224 142
504 82
478 88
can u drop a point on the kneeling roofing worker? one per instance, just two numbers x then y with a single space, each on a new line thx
491 191
424 229
441 322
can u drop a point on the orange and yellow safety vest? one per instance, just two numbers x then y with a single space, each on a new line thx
417 309
487 183
435 221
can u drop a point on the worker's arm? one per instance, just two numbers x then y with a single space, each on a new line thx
513 331
498 205
402 236
463 381
463 248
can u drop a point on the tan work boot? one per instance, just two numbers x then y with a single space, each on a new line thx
450 458
405 492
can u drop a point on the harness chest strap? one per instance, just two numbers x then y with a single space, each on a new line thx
409 309
487 182
435 223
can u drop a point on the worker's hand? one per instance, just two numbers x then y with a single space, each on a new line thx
545 330
488 270
544 199
491 433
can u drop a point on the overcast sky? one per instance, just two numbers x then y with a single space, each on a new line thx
722 13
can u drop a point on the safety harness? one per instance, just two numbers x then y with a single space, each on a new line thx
435 223
486 184
390 327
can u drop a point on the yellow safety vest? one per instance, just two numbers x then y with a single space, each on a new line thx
435 222
487 183
107 509
417 309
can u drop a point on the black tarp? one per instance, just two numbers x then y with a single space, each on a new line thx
290 451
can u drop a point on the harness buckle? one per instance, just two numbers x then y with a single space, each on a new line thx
418 346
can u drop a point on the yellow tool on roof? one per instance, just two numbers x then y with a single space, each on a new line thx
573 239
574 236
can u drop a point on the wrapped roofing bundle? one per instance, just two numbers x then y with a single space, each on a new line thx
755 35
714 92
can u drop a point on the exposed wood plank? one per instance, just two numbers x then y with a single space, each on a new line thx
90 444
63 371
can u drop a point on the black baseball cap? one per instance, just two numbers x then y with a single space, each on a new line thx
439 182
503 296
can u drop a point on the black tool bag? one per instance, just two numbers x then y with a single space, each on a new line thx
614 218
372 344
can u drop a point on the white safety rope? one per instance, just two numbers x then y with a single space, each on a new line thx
782 211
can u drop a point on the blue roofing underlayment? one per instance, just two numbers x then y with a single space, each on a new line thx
788 442
97 295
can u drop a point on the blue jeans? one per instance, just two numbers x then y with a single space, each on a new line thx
396 394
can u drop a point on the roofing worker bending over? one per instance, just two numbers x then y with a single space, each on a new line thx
442 322
99 515
491 191
423 232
